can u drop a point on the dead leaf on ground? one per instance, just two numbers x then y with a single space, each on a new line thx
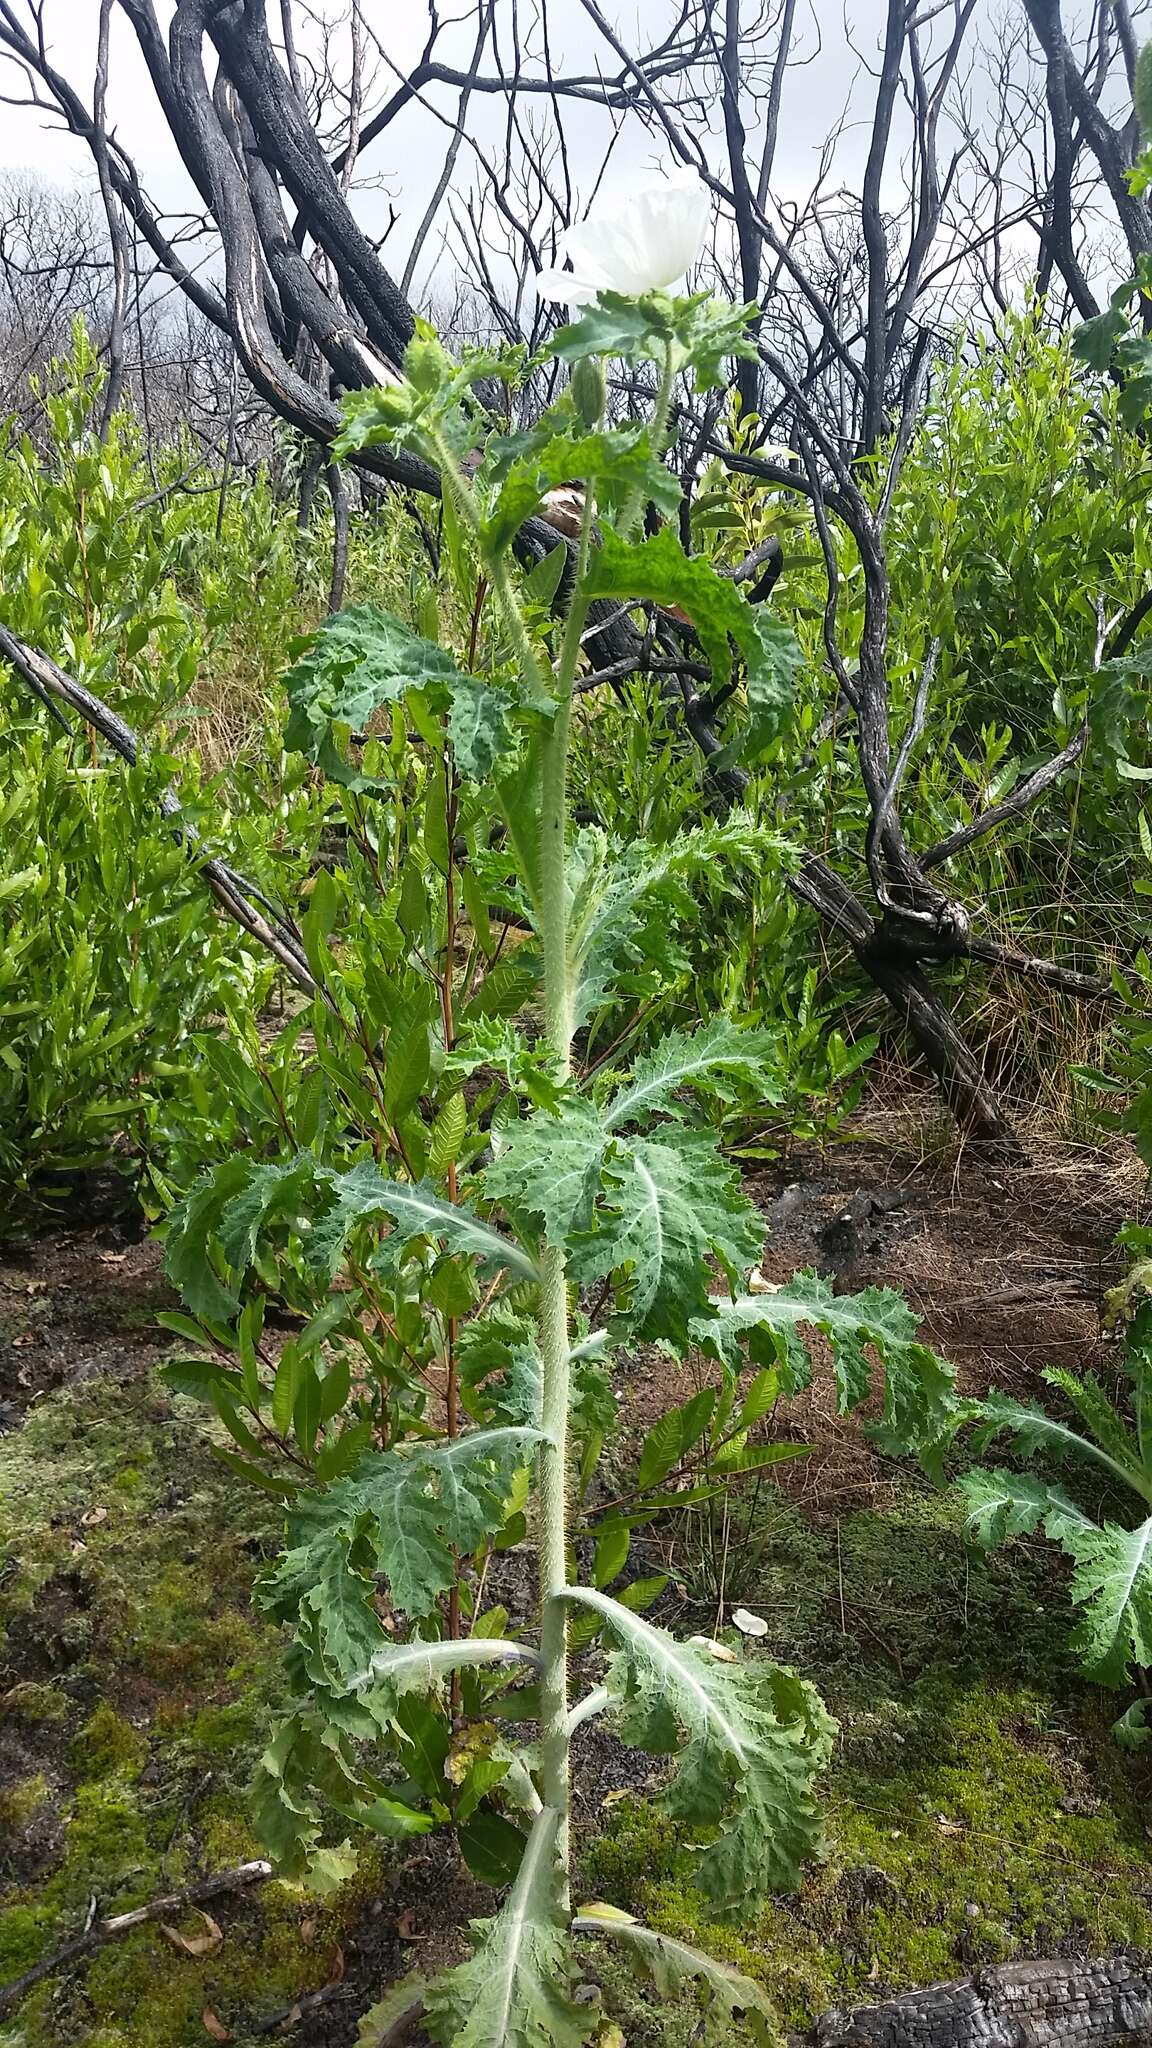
196 1944
336 1973
406 1925
308 1930
94 1515
215 2027
614 1798
757 1284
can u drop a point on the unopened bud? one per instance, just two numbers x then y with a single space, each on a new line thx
589 390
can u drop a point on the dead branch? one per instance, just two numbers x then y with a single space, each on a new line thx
102 1931
240 900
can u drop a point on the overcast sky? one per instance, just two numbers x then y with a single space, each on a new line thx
409 156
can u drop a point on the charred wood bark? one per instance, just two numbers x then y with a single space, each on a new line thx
930 1024
1014 2005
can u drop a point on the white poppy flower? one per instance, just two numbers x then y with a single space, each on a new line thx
639 241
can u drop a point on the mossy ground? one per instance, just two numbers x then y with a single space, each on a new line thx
977 1808
139 1685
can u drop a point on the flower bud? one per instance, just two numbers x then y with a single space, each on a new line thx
589 390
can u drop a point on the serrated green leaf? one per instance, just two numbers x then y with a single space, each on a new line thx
1104 1422
550 1168
718 1061
515 1991
1002 1504
669 1965
749 1739
920 1410
628 900
659 569
1112 1581
253 1475
668 1202
613 464
402 1513
362 659
1034 1429
479 732
415 1210
704 333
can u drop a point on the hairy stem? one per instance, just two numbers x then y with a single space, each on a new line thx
632 510
499 576
554 1335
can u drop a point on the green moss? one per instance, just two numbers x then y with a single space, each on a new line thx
875 1599
108 1850
35 1705
219 1732
151 1603
107 1742
142 1993
976 1809
21 1800
23 1931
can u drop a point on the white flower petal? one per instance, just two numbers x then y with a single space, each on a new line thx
749 1624
633 242
671 222
581 246
566 288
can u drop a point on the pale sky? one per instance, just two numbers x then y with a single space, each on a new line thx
836 46
409 156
